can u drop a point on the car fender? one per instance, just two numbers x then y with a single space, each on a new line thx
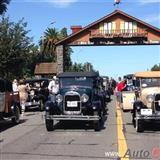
137 106
97 104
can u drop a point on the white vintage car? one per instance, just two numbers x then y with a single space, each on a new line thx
146 106
128 96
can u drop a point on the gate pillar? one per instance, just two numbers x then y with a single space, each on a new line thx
59 52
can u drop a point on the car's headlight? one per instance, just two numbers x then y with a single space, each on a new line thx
59 98
150 98
84 98
32 92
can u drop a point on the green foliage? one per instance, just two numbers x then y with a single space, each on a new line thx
48 48
156 67
3 5
79 67
51 36
15 47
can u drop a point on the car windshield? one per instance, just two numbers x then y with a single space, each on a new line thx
150 82
76 81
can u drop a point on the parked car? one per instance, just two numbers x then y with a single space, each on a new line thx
147 104
38 93
9 102
79 98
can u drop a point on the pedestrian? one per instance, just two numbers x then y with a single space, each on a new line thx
53 88
120 87
15 85
23 93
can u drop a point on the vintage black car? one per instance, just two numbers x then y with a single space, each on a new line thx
9 102
37 94
79 98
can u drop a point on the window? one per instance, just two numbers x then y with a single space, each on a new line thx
128 27
109 27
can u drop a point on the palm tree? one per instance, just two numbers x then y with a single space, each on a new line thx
47 44
3 5
51 36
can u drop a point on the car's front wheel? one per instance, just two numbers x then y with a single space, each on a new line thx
41 105
139 125
97 123
16 116
49 124
97 126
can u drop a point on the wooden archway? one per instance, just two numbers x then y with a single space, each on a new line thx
117 28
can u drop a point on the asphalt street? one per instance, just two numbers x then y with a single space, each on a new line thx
76 140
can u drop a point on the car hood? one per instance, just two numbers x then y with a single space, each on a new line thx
80 89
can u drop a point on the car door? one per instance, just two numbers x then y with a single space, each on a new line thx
128 98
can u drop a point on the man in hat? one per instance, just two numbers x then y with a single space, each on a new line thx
53 88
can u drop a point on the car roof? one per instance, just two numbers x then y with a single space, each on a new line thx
78 74
148 74
128 76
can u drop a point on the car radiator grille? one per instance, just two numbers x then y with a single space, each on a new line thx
72 103
157 102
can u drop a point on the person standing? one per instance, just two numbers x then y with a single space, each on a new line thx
120 87
15 85
53 88
23 93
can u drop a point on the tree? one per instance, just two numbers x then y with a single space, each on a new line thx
88 66
77 67
15 47
48 47
3 6
80 67
51 36
156 67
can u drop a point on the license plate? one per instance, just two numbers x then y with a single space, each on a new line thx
72 103
146 112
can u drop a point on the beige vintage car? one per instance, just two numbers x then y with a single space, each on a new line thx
146 106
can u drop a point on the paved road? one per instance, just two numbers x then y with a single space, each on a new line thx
76 141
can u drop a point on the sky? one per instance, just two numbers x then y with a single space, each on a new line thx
111 61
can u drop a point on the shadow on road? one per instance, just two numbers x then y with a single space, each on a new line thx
6 124
77 125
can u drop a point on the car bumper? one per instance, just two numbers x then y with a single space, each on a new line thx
149 117
72 117
30 104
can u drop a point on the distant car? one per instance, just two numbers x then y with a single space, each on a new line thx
79 98
38 93
147 104
9 102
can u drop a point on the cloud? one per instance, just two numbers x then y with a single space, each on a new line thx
148 1
62 3
56 3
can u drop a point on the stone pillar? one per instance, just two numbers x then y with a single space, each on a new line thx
59 51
